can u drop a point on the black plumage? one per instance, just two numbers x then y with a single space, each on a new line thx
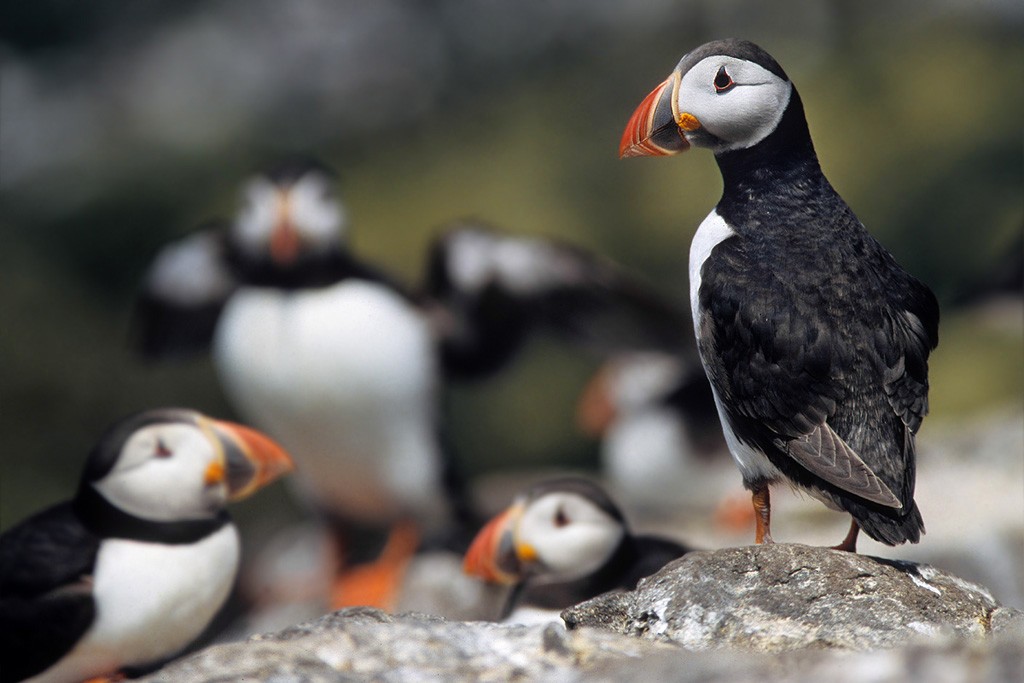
637 557
815 340
810 330
46 601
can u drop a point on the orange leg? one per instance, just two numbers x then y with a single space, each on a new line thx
849 543
376 584
762 515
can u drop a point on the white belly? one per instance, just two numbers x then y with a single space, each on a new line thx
647 456
152 601
713 231
345 378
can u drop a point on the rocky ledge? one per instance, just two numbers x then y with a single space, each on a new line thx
785 597
786 612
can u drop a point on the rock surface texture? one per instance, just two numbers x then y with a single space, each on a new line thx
360 644
783 612
783 597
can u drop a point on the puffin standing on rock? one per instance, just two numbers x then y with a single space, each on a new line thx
135 567
344 365
815 340
561 542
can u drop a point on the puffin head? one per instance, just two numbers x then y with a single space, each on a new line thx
172 464
288 214
725 95
629 383
560 530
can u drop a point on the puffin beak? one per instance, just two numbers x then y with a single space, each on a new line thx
595 411
251 459
494 555
284 240
655 128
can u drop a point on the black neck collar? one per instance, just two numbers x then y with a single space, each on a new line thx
785 158
105 520
311 271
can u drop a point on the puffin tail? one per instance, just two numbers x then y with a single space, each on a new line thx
885 527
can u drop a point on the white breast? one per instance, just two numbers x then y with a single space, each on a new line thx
646 456
152 600
713 231
345 378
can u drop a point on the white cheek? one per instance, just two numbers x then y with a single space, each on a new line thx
470 262
319 218
256 217
742 116
578 549
644 377
165 488
753 113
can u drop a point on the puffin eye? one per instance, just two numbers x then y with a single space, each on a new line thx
561 519
162 451
723 81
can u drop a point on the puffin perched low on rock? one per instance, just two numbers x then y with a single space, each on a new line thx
815 340
561 542
136 565
343 364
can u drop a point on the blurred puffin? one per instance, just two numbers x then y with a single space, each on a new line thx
491 290
816 342
343 365
657 422
561 542
135 566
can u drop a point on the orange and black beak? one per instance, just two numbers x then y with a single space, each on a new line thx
657 127
251 459
284 240
496 555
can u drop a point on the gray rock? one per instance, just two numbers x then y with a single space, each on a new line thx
786 597
363 643
941 661
789 613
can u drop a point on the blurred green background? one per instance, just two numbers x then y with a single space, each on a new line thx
123 125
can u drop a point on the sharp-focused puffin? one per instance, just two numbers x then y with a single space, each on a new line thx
561 542
816 342
133 568
343 365
656 419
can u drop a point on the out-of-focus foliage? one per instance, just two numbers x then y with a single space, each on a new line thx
123 125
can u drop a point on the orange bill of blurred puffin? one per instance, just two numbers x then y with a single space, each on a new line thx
495 555
285 242
251 459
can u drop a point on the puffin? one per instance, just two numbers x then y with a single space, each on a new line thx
492 290
813 337
134 567
560 542
343 364
657 424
